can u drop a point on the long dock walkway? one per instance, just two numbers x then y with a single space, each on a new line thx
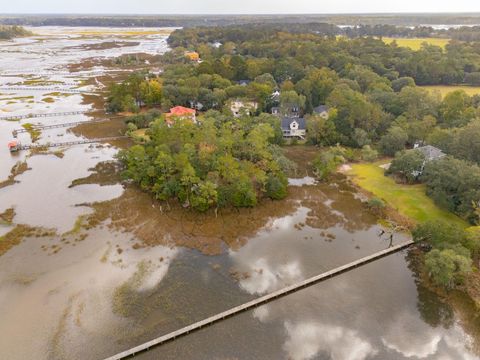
56 126
69 143
43 115
260 301
52 89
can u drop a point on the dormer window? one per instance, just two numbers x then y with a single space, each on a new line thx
294 125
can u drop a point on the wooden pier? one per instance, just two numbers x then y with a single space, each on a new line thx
260 301
55 126
53 89
69 143
44 115
35 73
42 74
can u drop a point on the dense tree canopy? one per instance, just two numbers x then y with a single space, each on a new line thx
455 185
369 85
213 163
453 248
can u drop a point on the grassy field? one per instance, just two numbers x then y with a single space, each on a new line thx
416 43
409 200
445 89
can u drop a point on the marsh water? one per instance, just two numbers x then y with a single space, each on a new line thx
122 269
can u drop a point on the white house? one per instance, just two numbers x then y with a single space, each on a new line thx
240 107
276 95
294 127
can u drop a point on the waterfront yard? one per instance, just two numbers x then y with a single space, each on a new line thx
408 200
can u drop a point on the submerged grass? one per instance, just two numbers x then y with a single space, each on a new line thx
20 232
7 216
409 200
34 133
48 100
77 227
18 169
126 296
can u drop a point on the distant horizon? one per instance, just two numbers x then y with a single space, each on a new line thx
244 7
238 14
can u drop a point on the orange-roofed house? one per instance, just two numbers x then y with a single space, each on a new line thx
193 56
13 146
180 112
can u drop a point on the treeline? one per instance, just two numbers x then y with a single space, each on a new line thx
410 20
10 32
296 52
463 33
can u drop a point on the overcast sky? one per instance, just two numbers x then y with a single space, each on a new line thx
235 6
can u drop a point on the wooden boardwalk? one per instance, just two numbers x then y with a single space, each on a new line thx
53 73
44 115
260 301
69 143
56 126
52 89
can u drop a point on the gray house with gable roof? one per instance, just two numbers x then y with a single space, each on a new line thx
294 127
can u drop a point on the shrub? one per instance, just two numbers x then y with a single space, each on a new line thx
369 154
277 187
446 267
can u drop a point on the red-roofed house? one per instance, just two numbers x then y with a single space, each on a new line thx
14 146
180 112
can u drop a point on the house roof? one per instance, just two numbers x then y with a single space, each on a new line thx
243 82
431 152
286 121
244 102
320 109
180 110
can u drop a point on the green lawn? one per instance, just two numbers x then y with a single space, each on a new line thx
416 43
409 200
445 89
